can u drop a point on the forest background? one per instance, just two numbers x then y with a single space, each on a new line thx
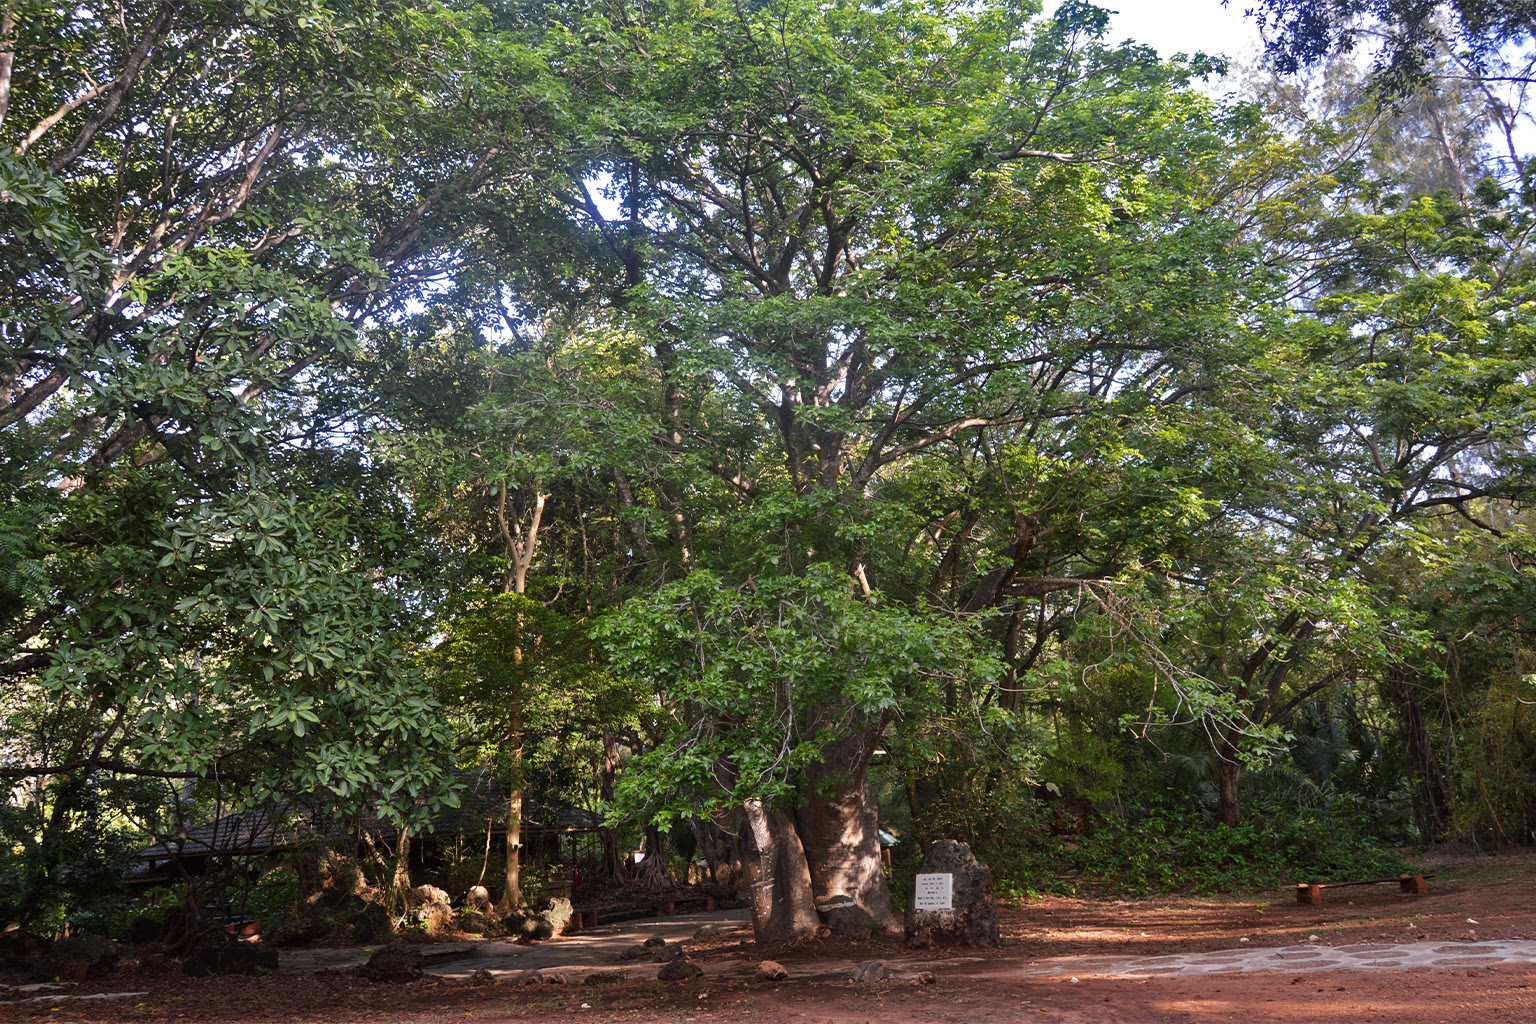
761 421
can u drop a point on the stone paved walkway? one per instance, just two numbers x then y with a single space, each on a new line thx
1376 956
602 951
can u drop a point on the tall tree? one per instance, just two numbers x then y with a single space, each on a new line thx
882 230
201 203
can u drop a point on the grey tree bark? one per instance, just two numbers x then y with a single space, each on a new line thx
839 826
783 903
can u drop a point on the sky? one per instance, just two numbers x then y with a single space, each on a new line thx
1182 26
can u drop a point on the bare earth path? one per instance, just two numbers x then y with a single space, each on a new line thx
1463 954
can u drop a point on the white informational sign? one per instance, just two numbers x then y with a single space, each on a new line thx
935 892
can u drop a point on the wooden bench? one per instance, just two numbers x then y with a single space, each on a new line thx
1312 892
591 916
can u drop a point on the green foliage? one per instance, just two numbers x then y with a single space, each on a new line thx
1169 851
56 879
1497 778
761 676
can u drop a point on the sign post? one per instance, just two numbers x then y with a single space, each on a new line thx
934 892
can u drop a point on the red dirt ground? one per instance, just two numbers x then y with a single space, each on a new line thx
1498 893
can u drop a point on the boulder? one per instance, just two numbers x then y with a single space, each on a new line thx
636 952
478 899
555 913
371 924
680 969
423 894
229 958
845 917
482 977
307 927
86 955
718 891
398 961
972 917
472 922
870 970
545 920
771 970
434 917
15 970
20 945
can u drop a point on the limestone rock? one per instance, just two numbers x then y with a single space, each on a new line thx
555 914
545 920
972 919
771 970
472 921
680 969
845 917
719 892
870 970
434 917
398 961
371 924
15 970
478 899
428 894
636 952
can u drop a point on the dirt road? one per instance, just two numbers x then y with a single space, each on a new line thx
1463 954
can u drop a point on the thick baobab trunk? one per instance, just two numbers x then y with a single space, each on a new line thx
783 904
839 825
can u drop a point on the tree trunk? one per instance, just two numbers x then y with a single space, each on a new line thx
613 862
1431 802
653 870
783 904
512 891
1229 771
400 879
839 826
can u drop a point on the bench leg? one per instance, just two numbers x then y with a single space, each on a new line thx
1312 894
1413 883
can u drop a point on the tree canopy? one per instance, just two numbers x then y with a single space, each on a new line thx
755 420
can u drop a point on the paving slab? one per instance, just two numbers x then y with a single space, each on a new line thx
1374 956
606 954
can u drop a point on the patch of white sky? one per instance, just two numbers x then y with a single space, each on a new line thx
1183 26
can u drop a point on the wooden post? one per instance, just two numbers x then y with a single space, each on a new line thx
1413 883
1309 892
